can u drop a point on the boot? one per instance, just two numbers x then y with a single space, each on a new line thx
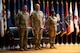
21 48
36 47
39 47
51 46
25 48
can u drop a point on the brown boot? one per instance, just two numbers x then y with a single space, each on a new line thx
25 48
39 47
21 49
36 47
51 46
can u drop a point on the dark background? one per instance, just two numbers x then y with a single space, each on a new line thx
71 37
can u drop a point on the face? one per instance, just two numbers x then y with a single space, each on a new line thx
25 8
53 13
37 7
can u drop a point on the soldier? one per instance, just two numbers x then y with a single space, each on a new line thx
52 28
22 24
37 19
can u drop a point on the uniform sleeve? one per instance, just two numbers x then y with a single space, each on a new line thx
32 21
48 23
28 20
43 21
17 19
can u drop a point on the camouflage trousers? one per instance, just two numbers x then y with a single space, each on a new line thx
52 36
52 39
38 36
23 35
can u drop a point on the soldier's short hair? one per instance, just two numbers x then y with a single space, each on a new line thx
37 4
52 12
24 6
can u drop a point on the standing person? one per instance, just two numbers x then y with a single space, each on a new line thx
52 28
22 24
37 19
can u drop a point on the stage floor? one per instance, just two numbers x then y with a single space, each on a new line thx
59 49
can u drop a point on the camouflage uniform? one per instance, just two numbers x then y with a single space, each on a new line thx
52 29
22 23
37 25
